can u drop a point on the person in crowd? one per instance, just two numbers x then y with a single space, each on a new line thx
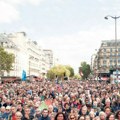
12 115
60 116
50 110
72 116
87 117
20 108
2 112
37 114
27 115
85 99
102 115
7 113
45 115
111 116
18 115
117 115
92 115
82 118
107 111
83 111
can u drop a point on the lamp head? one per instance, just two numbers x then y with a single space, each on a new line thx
106 18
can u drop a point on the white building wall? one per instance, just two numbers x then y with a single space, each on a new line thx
34 53
20 39
28 56
49 56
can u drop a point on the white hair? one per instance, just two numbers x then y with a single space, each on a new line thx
102 113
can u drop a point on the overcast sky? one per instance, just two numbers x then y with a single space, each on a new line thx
73 29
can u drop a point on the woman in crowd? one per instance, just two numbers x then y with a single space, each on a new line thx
117 116
18 116
60 116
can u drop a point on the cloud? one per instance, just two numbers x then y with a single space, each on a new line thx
35 2
23 2
74 48
8 13
8 9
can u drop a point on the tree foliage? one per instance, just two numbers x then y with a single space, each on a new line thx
59 71
6 60
85 68
77 76
71 70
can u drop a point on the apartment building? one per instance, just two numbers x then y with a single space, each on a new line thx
108 56
29 56
49 56
34 59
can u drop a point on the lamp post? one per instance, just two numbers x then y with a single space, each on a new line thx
92 64
115 18
92 61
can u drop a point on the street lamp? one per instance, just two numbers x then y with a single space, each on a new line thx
92 61
115 18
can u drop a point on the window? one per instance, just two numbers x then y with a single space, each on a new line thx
118 49
118 60
119 54
114 61
104 50
111 61
104 61
110 49
104 56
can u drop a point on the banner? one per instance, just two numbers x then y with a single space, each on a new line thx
23 75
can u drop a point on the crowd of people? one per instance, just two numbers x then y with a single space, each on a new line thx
68 100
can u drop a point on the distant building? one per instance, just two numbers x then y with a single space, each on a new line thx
34 58
107 57
29 56
10 44
49 56
56 61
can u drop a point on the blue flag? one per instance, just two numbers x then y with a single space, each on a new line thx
23 75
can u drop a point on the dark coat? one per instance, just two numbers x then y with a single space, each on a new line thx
44 118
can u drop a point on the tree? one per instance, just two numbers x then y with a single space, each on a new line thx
58 71
77 76
70 69
85 69
6 60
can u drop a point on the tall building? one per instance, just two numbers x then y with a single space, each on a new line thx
11 47
29 56
108 56
34 58
56 61
21 56
49 56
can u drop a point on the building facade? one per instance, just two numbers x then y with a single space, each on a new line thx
49 57
29 56
107 57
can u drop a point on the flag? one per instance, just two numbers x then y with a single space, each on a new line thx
43 106
23 75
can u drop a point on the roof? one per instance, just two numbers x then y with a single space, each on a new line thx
4 38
